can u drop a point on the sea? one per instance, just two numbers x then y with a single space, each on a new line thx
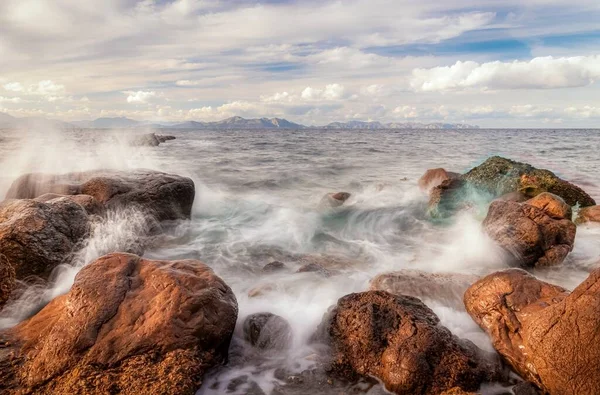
258 196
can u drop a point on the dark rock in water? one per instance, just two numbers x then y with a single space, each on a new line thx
267 331
36 237
7 279
129 326
549 336
314 268
526 388
89 203
149 139
530 236
434 177
164 196
400 341
588 214
332 200
449 197
163 138
444 288
499 176
274 266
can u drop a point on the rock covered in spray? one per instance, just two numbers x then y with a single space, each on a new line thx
267 331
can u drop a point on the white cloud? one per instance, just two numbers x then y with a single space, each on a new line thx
406 112
529 110
13 87
538 73
47 88
139 96
331 92
10 99
583 112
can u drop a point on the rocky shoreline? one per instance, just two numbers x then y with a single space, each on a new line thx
131 325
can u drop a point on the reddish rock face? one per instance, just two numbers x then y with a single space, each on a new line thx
434 177
549 336
128 326
36 237
165 196
554 206
528 234
7 280
588 214
332 200
400 341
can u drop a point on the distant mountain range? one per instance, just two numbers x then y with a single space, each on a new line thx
229 123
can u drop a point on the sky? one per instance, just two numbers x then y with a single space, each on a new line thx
509 63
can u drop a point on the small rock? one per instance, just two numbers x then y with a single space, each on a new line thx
434 177
267 331
588 214
332 200
275 266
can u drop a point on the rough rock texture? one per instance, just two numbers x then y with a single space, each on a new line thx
7 280
267 331
525 388
554 206
448 197
499 176
434 177
128 326
314 268
445 288
332 200
588 214
165 196
36 237
399 340
549 336
275 266
528 234
89 203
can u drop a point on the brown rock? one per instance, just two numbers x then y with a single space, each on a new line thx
127 326
445 288
275 266
400 341
552 205
517 196
447 198
549 336
7 280
434 177
588 214
36 237
267 331
332 200
89 203
165 196
261 290
529 236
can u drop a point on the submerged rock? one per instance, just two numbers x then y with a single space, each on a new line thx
400 341
267 331
548 335
332 200
588 214
444 288
530 235
275 266
434 177
164 196
36 237
129 326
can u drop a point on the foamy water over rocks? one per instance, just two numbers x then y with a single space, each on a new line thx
291 222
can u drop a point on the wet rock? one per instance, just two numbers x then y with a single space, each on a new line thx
129 326
588 214
526 388
36 237
518 197
314 268
528 234
499 176
261 290
444 288
448 197
554 206
163 138
457 391
400 341
332 200
89 203
434 177
7 280
548 335
275 266
149 139
164 196
267 331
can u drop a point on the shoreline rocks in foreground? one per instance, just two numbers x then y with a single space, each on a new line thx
128 325
548 335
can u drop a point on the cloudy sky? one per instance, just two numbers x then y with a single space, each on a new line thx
495 63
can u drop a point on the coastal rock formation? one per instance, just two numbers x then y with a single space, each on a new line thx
129 326
332 200
7 280
448 197
554 206
434 177
164 196
588 214
400 341
445 288
36 237
267 331
548 335
530 235
149 139
89 203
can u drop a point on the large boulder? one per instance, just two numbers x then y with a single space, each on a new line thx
531 236
588 214
400 341
549 336
165 196
35 237
444 288
128 326
434 177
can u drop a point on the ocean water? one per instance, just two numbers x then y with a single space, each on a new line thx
257 200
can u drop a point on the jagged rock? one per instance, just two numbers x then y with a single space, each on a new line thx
528 234
129 326
267 331
434 177
549 336
400 341
164 196
588 214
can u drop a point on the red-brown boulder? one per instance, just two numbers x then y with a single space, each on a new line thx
434 177
588 214
127 326
549 336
